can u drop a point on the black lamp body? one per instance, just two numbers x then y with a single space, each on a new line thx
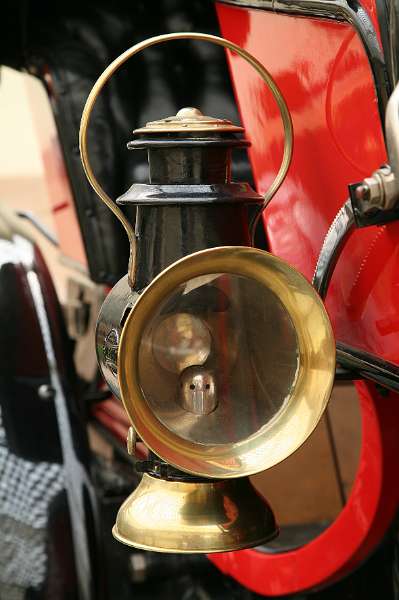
189 204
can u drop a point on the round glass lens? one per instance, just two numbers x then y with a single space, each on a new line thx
219 359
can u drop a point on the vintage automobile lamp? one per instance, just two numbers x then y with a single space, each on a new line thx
222 354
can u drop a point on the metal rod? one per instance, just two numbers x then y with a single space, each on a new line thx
354 360
368 366
33 220
334 242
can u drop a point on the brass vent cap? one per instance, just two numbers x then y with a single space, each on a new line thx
189 120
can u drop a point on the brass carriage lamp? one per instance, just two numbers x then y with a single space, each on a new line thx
222 354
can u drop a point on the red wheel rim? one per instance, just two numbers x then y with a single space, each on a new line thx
356 531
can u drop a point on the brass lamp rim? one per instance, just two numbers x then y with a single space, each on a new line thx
175 550
285 434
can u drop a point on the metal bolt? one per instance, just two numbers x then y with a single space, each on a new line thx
363 193
46 392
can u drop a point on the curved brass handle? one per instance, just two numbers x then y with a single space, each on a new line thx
110 70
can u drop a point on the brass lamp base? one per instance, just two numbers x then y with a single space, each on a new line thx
175 516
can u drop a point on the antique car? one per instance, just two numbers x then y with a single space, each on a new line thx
212 410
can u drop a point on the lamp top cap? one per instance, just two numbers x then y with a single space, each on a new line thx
189 120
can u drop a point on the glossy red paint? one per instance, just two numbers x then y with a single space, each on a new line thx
327 82
368 512
322 69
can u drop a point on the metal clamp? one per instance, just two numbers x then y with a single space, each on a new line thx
118 62
375 200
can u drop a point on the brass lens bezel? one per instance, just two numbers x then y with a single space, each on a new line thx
271 444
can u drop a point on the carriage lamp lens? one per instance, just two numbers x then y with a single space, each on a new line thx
219 359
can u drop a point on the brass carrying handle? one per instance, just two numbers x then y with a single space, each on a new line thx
118 62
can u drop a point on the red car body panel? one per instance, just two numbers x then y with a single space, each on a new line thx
323 72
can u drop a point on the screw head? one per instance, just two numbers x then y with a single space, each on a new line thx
46 392
363 192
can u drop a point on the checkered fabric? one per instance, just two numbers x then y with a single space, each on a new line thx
26 491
